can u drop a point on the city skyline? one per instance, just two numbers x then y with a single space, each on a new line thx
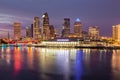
101 13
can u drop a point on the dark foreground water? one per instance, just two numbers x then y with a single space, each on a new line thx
34 63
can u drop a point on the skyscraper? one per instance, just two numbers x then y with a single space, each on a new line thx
116 32
78 28
45 26
57 33
36 28
94 32
17 30
66 27
32 30
52 32
85 35
28 32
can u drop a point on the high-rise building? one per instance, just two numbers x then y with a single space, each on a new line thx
116 32
32 30
45 27
36 28
28 32
57 34
78 28
17 30
94 32
85 35
66 27
52 32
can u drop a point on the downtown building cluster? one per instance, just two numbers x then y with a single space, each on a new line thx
35 31
48 32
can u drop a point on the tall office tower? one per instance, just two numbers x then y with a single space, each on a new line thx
85 35
116 32
17 30
52 32
45 27
78 28
28 32
57 34
94 32
32 30
66 27
36 28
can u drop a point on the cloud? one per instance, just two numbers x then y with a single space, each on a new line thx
10 19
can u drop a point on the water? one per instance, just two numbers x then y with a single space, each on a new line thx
34 63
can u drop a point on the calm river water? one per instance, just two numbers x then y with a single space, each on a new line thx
34 63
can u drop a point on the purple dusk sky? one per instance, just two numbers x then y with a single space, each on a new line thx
103 13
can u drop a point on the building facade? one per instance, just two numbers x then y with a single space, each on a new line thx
94 32
32 30
52 32
45 27
85 35
36 28
17 30
66 27
116 32
28 32
57 33
78 28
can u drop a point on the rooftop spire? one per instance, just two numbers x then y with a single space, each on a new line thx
77 20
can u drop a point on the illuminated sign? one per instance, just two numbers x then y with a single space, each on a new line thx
62 40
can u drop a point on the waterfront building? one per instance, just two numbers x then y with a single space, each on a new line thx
17 30
57 34
71 42
28 32
78 28
72 35
94 32
85 35
116 32
32 30
52 32
36 29
45 27
66 27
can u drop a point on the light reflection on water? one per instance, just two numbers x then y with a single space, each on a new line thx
34 63
116 64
